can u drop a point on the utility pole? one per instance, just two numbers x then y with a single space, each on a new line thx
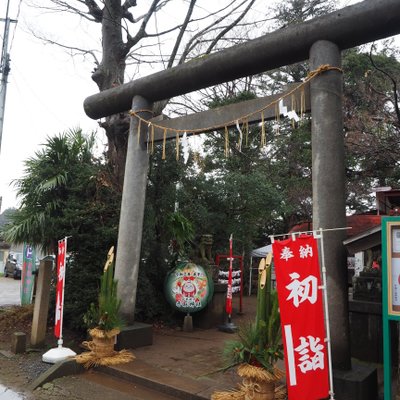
4 68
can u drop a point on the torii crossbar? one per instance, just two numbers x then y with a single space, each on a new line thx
348 27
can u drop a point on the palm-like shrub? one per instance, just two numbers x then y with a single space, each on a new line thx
50 182
67 191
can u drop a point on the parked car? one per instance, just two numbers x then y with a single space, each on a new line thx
13 265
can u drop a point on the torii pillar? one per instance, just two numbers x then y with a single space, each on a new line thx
328 172
355 381
131 227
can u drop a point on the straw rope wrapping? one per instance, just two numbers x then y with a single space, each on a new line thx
293 109
253 385
138 130
102 350
226 142
311 75
240 394
259 374
263 138
177 146
152 139
164 143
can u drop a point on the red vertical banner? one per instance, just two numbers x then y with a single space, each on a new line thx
298 282
228 305
62 249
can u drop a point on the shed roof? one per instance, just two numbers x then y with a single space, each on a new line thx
358 222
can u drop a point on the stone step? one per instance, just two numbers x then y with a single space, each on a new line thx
133 390
179 387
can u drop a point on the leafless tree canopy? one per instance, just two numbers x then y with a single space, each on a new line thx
138 35
132 35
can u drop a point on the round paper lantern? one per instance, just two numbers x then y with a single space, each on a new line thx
188 287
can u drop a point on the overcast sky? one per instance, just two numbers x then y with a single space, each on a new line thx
45 92
46 86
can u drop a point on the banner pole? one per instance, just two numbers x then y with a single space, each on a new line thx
229 290
250 278
229 327
60 339
272 237
327 326
59 353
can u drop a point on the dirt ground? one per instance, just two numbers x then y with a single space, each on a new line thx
18 371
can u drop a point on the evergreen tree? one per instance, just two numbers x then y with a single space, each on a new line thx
65 191
371 124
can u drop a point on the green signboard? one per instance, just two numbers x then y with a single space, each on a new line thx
188 287
27 276
390 291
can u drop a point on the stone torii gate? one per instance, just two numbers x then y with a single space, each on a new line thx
320 40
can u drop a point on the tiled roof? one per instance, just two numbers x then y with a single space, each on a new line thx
358 223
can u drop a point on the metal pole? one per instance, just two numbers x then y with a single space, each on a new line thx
229 326
327 325
60 339
241 286
387 357
5 69
229 291
251 274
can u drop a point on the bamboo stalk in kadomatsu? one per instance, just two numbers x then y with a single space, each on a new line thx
264 290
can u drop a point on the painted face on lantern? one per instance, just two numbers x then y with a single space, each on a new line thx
188 288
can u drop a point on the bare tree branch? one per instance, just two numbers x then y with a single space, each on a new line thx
125 10
163 32
123 43
94 10
394 85
229 27
63 6
132 40
181 32
83 52
213 26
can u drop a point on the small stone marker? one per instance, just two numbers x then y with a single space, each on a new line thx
18 342
188 324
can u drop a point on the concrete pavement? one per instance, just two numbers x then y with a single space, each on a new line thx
179 365
184 365
9 291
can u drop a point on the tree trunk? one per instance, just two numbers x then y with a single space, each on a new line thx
110 73
117 128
